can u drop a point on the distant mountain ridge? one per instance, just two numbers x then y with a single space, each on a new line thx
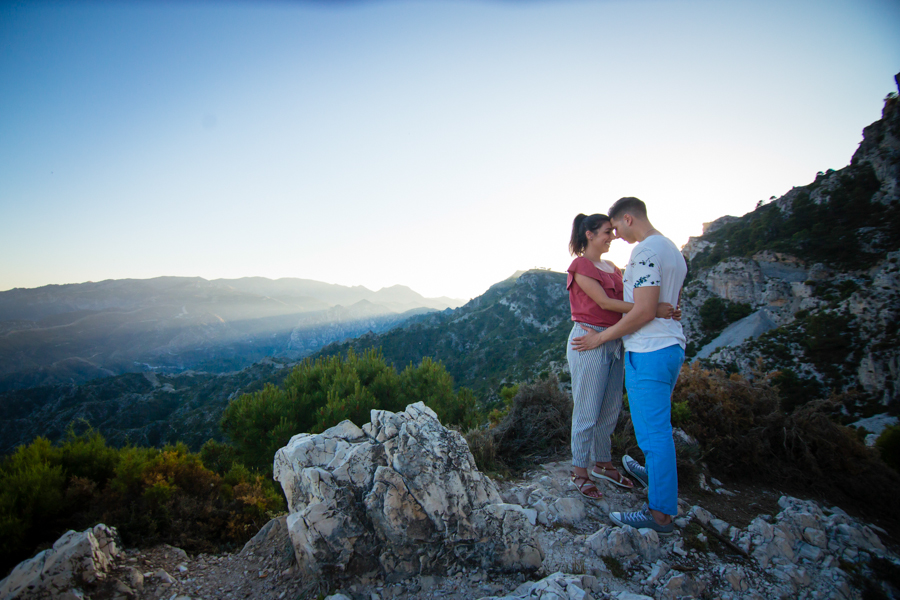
77 332
512 332
515 330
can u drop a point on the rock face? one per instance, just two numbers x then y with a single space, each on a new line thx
799 296
75 560
401 495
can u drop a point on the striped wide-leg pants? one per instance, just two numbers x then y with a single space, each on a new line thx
597 382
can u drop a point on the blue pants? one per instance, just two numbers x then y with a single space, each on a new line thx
650 379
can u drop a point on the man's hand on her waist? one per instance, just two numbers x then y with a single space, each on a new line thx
592 339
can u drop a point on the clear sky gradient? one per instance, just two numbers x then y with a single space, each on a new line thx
441 145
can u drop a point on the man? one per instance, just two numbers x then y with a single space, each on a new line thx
654 352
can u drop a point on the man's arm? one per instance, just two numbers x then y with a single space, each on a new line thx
646 300
595 292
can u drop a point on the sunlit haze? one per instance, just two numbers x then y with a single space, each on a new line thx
438 145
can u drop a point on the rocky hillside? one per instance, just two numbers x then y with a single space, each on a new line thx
75 333
513 332
808 283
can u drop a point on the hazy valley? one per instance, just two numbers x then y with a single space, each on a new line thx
75 333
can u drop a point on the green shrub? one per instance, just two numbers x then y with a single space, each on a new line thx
218 456
31 496
744 435
536 427
319 394
888 445
717 313
681 413
795 390
507 393
150 495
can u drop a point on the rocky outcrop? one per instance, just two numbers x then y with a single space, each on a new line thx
558 586
401 495
76 560
782 289
881 149
778 287
800 287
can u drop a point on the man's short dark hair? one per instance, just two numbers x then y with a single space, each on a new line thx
630 205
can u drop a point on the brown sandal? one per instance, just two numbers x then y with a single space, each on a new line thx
586 486
621 481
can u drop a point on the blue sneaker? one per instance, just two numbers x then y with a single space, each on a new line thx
641 519
636 470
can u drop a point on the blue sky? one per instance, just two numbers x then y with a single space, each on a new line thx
439 145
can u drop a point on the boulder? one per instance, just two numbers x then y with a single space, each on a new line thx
75 560
558 586
682 585
619 542
401 495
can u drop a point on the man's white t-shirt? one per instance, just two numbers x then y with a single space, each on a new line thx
655 262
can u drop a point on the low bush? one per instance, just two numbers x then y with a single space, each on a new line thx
745 435
150 495
536 427
888 445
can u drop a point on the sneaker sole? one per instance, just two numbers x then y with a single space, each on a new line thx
633 474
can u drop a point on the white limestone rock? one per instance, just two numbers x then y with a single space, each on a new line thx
625 541
558 586
401 494
568 511
77 558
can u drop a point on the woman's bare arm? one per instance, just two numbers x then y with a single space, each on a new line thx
596 293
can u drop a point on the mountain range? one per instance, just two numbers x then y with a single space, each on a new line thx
74 333
806 286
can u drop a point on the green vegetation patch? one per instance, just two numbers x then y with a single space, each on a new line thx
825 232
321 393
150 495
614 565
828 339
715 315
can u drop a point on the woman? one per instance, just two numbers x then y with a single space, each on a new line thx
595 297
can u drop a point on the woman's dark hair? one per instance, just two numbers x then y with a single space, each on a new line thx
580 226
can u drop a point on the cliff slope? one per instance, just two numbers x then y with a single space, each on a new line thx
809 283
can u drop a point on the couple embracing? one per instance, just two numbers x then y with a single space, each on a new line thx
637 310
